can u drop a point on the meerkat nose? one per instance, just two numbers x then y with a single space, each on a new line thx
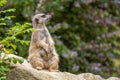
51 13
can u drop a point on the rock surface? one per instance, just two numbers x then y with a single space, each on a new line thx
27 73
24 71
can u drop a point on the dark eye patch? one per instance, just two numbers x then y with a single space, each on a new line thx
43 16
36 20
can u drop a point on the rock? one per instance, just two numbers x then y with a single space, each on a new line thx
24 71
113 78
28 73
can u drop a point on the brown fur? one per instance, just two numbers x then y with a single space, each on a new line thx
42 53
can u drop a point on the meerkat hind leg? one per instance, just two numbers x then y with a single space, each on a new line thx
53 66
36 63
39 65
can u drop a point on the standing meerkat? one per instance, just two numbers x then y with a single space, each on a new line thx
42 53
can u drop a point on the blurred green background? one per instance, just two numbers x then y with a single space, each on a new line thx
86 32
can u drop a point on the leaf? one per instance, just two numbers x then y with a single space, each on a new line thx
20 61
13 46
2 23
8 10
2 2
116 51
3 78
14 60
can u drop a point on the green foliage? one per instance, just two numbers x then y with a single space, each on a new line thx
11 36
15 60
2 2
86 33
4 68
89 29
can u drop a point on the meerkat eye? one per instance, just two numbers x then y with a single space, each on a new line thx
43 16
36 20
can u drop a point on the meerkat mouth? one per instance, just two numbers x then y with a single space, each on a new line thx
48 19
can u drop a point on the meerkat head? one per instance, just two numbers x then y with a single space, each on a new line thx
40 19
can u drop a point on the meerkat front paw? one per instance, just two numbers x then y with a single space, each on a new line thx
47 50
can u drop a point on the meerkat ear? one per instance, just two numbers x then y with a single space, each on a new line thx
36 20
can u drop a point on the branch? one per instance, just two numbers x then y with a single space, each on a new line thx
39 5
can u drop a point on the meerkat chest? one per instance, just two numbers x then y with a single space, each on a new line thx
42 35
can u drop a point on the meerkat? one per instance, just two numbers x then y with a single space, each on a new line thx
42 53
